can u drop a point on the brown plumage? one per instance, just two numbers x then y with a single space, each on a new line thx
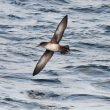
55 40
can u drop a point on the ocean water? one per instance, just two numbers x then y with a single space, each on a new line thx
78 80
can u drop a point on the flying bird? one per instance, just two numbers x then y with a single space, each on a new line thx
52 46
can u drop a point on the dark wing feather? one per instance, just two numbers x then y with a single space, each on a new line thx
56 39
60 30
43 61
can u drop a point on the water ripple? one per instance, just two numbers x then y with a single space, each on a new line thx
91 9
79 79
86 97
46 81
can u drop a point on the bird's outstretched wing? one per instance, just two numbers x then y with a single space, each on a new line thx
60 30
56 39
43 61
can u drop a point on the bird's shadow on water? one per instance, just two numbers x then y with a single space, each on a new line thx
34 96
42 94
38 94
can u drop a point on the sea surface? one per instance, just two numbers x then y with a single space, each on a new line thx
78 80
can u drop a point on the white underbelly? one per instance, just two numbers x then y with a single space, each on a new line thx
52 47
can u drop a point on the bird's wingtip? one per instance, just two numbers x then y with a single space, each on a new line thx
36 71
65 18
33 74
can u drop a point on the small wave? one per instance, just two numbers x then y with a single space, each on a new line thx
17 76
37 27
23 54
11 16
86 97
63 1
91 9
12 103
48 10
80 9
5 26
69 66
103 8
35 94
3 33
18 2
96 45
52 73
58 2
105 68
2 67
88 44
106 28
103 85
10 37
42 94
103 60
55 81
93 70
8 99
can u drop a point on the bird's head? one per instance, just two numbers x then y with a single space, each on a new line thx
42 44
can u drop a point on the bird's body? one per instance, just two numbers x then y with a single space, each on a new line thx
52 46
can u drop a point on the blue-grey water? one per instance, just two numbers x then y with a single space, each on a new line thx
79 80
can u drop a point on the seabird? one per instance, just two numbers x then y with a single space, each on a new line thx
52 46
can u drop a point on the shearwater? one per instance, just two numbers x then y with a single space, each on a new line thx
52 46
